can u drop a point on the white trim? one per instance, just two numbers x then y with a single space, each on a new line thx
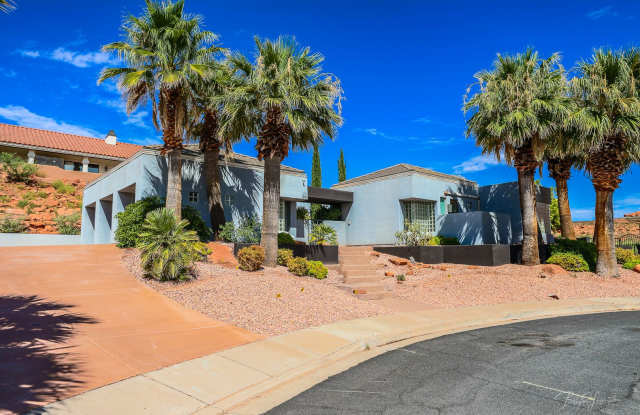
409 172
55 150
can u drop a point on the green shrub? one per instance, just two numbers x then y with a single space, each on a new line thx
625 255
62 187
251 258
326 213
581 247
322 234
169 250
570 261
443 240
316 269
298 266
284 255
414 235
248 231
8 225
401 277
302 213
631 264
17 169
131 220
227 231
68 225
42 195
4 198
23 203
285 238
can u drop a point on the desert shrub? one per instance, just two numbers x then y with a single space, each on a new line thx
9 225
17 169
581 247
62 187
248 231
68 225
413 236
570 261
298 266
443 240
322 234
631 264
326 213
401 277
625 255
227 231
4 198
42 195
168 248
302 213
284 255
251 258
131 220
23 203
316 269
285 238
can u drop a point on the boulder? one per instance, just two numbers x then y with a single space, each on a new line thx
637 268
553 269
389 274
398 261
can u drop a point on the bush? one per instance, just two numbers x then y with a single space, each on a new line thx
284 255
298 266
169 250
322 234
17 169
131 220
581 247
227 231
302 213
248 231
68 225
285 238
62 187
625 255
316 269
443 240
401 277
326 213
251 258
631 264
413 236
8 225
570 261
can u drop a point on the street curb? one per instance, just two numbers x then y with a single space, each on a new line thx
261 385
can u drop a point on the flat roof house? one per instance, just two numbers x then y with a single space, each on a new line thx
67 151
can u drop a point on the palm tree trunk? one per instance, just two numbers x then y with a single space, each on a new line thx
214 193
270 209
566 223
530 254
174 182
606 266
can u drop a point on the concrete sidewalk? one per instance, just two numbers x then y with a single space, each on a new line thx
253 378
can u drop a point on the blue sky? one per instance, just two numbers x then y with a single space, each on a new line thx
404 66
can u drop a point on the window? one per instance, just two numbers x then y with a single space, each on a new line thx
282 216
454 206
73 165
193 196
93 168
443 205
420 213
228 200
470 204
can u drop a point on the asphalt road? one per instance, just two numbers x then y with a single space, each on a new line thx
569 365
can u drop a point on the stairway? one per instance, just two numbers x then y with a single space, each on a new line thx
360 276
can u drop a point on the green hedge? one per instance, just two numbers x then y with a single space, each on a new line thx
585 249
569 261
285 238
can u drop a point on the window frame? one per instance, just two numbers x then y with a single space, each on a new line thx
420 212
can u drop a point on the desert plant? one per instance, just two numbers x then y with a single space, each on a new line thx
569 261
62 187
316 269
251 258
298 266
322 234
285 238
284 255
9 225
196 223
5 198
626 255
68 225
401 277
17 169
327 213
227 231
585 249
249 230
413 235
168 249
443 240
631 264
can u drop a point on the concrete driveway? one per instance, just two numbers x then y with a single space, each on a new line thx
72 318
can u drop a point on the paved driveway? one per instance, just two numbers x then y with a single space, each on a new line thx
72 318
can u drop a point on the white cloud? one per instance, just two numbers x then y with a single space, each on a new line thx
582 214
145 141
137 118
77 59
9 73
416 141
602 12
477 163
423 120
24 117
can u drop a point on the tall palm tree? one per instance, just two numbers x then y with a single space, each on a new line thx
7 5
608 120
163 49
286 100
516 108
560 171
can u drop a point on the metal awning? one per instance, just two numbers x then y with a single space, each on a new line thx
328 196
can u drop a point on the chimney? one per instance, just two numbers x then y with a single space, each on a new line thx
111 138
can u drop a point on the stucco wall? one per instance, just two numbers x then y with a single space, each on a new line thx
477 228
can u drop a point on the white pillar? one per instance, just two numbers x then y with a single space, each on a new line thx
31 157
85 164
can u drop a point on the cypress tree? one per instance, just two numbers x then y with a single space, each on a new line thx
316 170
342 168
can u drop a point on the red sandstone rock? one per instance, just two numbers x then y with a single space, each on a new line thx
398 261
637 268
389 274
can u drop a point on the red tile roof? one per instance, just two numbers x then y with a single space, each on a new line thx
61 141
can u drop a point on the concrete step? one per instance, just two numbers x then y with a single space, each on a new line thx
354 259
361 273
355 250
345 267
357 279
368 287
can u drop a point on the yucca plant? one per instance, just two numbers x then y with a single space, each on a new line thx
168 248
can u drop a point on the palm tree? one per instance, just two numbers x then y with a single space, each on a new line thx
560 171
286 100
7 5
163 50
517 107
608 121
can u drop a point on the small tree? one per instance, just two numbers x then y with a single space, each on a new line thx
316 168
342 168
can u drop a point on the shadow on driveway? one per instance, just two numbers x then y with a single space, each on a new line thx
34 365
